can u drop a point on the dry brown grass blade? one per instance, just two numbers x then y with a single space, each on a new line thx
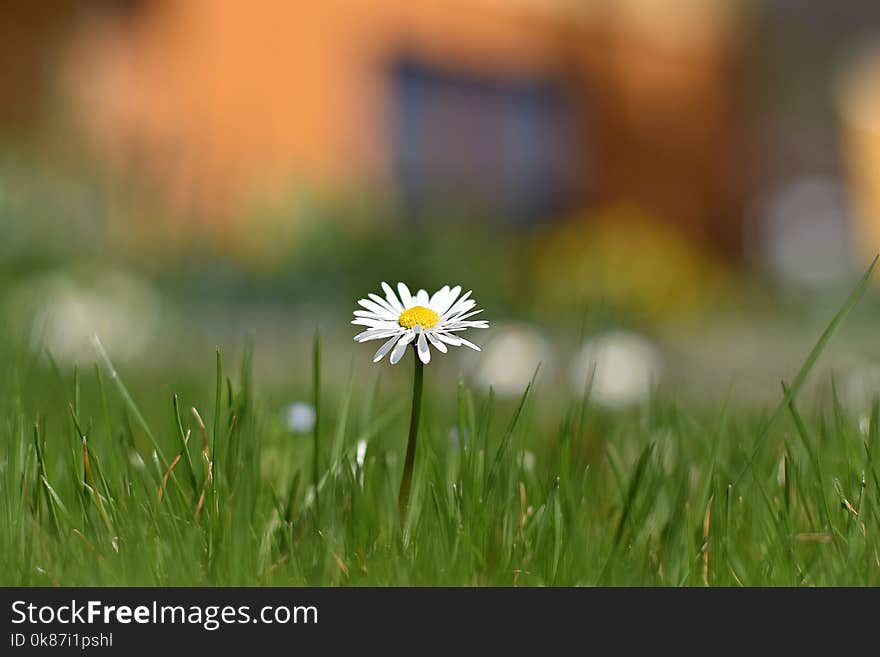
87 464
209 465
201 501
814 537
202 429
707 521
170 469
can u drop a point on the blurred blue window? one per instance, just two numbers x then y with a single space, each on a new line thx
509 148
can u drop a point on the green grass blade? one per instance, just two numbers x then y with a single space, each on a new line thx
808 365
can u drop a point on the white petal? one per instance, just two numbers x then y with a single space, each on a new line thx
405 295
384 304
373 323
384 349
470 314
470 344
454 340
368 314
422 298
463 326
424 351
376 334
451 296
392 298
372 306
400 347
460 309
438 345
459 306
438 298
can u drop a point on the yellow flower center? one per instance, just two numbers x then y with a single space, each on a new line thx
424 317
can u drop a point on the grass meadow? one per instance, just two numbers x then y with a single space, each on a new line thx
115 480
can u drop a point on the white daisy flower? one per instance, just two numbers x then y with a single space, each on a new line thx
424 320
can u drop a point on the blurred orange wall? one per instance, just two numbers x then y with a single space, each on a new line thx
225 102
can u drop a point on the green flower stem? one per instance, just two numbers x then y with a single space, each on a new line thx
405 484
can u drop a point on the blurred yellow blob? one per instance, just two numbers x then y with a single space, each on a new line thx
623 258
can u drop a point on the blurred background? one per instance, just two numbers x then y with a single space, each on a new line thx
675 193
